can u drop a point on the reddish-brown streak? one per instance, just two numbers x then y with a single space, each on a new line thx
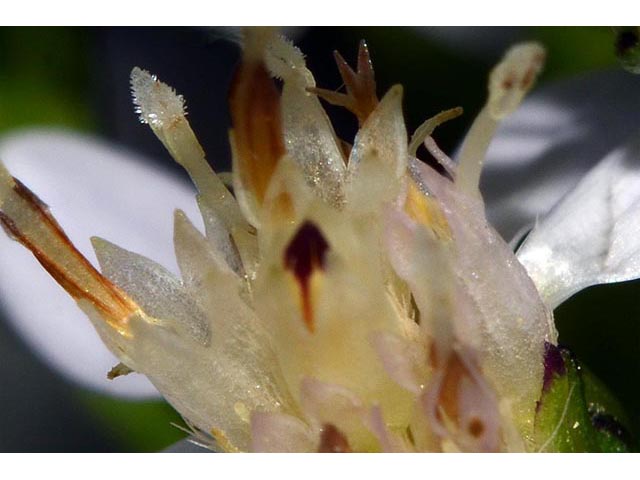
256 119
58 272
305 254
448 395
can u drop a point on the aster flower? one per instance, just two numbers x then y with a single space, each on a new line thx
344 298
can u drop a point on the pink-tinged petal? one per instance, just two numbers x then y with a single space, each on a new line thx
425 263
405 361
92 189
461 406
591 236
281 433
389 441
512 320
330 404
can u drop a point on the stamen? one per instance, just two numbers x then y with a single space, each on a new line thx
514 76
361 98
164 110
427 128
156 103
442 158
509 82
286 62
473 152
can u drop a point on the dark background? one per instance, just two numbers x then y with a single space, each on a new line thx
79 78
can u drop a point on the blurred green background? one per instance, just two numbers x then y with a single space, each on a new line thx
78 78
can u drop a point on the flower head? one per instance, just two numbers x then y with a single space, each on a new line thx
343 297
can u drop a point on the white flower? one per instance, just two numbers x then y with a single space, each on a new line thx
345 301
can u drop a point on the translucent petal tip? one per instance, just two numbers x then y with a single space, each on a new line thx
156 103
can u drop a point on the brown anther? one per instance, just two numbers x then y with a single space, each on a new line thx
305 255
361 98
333 440
257 125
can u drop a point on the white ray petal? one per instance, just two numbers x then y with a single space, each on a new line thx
591 236
92 189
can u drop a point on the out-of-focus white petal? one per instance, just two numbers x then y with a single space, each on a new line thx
591 236
542 150
92 189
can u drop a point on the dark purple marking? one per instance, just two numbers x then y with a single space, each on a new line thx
305 253
553 364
